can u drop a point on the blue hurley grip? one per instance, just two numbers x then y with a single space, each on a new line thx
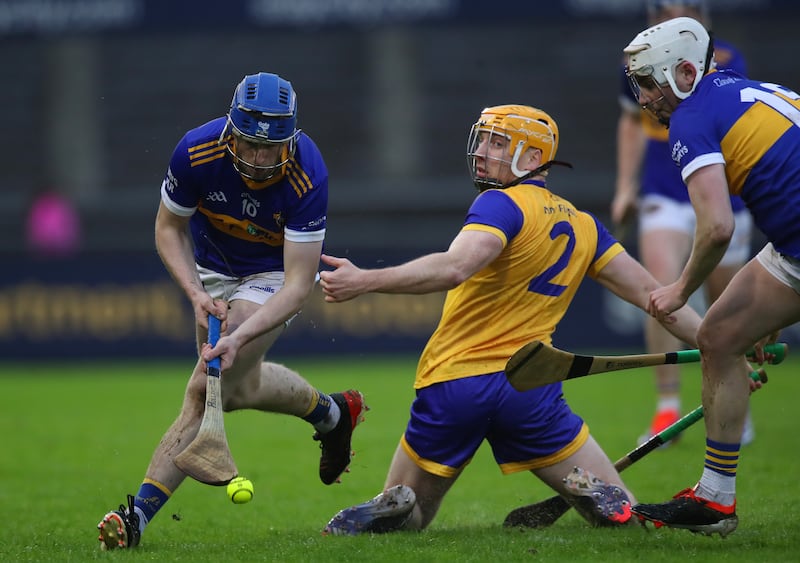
214 325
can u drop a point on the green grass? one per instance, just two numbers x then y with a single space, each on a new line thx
76 438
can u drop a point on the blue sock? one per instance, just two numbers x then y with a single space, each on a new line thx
151 497
320 411
722 458
718 482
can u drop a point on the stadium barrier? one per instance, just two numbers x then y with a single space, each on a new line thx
127 306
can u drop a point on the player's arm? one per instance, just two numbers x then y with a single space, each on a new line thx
301 262
708 190
631 143
469 252
174 246
629 280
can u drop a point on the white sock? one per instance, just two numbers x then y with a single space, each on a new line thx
716 487
142 518
669 404
329 422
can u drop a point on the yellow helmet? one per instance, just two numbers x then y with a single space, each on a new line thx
524 126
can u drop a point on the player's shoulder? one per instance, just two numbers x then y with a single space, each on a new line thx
205 133
711 95
543 199
308 156
199 146
201 141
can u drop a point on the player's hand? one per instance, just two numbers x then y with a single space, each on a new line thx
624 207
759 355
205 306
755 385
664 301
225 350
341 284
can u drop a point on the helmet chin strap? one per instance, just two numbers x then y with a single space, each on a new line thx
708 65
514 161
536 171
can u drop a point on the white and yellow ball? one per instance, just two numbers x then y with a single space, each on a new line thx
240 490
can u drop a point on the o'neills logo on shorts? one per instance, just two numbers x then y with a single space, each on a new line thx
264 288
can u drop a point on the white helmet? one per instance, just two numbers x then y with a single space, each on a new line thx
659 49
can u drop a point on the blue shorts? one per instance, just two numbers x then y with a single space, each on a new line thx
526 430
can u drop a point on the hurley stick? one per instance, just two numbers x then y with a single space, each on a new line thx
545 513
537 364
208 458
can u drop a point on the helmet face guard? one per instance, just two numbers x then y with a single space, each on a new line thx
263 122
644 81
522 127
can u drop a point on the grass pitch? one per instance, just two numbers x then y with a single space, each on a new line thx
77 438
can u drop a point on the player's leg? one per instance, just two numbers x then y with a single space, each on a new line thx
252 383
588 480
665 242
536 430
122 528
754 305
409 501
736 256
761 299
448 422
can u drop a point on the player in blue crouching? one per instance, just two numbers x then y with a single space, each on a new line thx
729 136
240 229
511 273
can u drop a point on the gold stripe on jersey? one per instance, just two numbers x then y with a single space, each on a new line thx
206 152
212 157
748 139
487 229
298 179
204 146
603 260
244 230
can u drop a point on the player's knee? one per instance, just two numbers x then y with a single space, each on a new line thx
711 336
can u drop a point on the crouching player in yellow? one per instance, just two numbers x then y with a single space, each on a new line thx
511 272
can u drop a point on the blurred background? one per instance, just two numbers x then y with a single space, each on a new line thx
96 93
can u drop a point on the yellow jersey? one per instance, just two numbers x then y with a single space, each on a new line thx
549 247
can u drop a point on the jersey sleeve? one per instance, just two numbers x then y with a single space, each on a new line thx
692 143
495 212
308 224
178 192
310 182
607 248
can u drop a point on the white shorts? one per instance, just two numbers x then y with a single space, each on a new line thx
784 268
659 212
256 288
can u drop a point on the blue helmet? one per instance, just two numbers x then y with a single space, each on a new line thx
263 111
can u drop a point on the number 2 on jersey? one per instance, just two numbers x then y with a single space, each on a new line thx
541 283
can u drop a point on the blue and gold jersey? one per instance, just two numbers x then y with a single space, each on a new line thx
753 128
239 227
522 295
659 174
